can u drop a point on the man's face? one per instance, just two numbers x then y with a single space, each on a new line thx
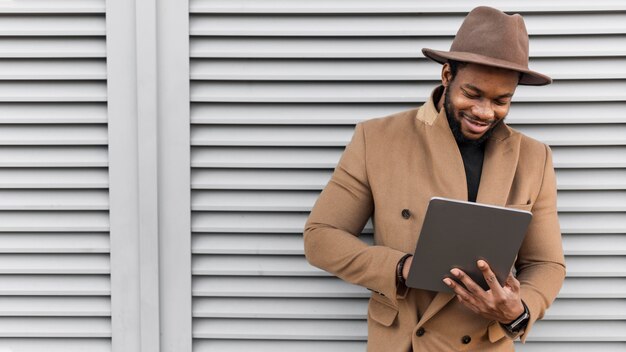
477 99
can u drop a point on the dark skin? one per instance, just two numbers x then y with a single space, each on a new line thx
480 96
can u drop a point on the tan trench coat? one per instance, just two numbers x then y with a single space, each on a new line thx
400 162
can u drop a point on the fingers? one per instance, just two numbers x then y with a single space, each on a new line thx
467 281
513 283
462 294
489 276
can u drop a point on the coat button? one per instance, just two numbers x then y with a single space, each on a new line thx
420 332
466 339
406 213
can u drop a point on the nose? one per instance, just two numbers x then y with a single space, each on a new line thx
483 110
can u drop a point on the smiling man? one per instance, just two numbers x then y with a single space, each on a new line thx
457 146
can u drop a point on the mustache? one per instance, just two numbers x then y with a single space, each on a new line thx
478 120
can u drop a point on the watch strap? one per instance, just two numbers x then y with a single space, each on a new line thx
520 322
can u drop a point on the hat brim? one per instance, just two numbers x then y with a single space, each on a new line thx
529 77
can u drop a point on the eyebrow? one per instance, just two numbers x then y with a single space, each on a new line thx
472 87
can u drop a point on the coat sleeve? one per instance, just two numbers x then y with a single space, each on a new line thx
331 232
540 263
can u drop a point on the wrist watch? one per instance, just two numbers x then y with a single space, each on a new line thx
518 324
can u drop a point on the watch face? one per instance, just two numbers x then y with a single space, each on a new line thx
519 323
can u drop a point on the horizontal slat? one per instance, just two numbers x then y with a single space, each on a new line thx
57 6
248 222
54 221
287 329
55 327
55 285
206 345
395 6
46 91
579 346
54 242
576 135
39 69
48 113
241 265
323 136
598 287
53 25
381 70
238 265
255 179
270 135
389 47
207 286
294 222
280 308
350 114
589 157
336 308
587 309
251 200
54 178
307 158
596 266
55 306
42 134
571 179
241 157
592 223
596 244
567 331
385 92
291 244
225 286
387 25
591 201
267 244
40 47
58 345
53 156
54 263
294 179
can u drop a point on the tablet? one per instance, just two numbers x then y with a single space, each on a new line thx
456 234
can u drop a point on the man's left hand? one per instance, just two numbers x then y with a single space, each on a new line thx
500 303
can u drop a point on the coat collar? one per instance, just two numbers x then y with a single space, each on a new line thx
499 166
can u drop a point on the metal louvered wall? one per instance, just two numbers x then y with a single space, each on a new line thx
276 88
54 224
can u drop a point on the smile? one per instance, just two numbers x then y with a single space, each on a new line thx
474 126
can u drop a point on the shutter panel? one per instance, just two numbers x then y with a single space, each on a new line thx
54 241
276 88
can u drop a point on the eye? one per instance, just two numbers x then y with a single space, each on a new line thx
469 95
500 102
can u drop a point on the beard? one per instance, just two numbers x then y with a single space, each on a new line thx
455 125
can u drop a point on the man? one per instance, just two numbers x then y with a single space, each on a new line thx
456 146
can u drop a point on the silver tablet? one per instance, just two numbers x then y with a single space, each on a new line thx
456 234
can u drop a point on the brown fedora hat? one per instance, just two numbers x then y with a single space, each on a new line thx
491 37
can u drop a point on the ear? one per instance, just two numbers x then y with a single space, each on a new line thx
446 75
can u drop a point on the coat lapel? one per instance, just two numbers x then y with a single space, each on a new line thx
446 165
499 166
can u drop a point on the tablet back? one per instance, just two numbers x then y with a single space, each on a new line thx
456 234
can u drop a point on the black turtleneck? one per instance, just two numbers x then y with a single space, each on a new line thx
473 155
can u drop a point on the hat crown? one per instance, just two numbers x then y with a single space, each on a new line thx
492 33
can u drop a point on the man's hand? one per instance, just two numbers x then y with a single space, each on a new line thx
502 304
